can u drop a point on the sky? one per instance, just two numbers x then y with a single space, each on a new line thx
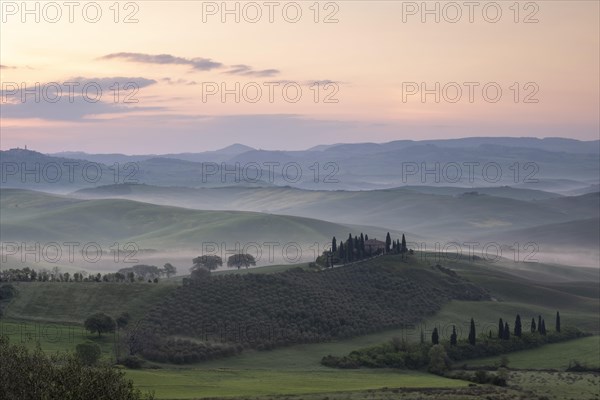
187 76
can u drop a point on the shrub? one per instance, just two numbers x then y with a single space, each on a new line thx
88 353
132 362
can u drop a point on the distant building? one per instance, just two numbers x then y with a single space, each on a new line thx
374 246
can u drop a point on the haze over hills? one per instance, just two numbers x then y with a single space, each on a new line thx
438 190
178 233
556 165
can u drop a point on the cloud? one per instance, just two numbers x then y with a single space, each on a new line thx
6 67
185 82
71 102
79 109
199 63
246 70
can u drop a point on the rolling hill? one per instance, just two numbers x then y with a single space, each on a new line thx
180 233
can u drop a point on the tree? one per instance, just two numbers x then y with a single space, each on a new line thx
506 331
472 333
518 327
435 338
404 249
388 242
438 359
500 329
533 327
362 244
100 323
33 374
334 245
350 248
241 260
557 326
88 353
453 336
208 262
342 252
169 270
539 325
543 328
199 273
123 320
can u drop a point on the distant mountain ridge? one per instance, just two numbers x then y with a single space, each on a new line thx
562 166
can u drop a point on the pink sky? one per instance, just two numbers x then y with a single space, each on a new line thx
367 65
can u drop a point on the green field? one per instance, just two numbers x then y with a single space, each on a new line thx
73 302
196 383
55 337
552 356
556 385
297 369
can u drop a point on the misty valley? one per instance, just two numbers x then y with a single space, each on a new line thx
355 289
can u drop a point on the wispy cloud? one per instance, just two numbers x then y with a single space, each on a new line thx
70 103
246 70
199 63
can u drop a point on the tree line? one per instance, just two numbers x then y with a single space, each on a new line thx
437 355
360 247
137 273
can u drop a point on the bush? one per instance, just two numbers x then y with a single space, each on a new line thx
132 362
35 375
88 353
438 360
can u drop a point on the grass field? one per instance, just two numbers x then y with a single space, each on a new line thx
198 383
61 307
556 385
267 269
55 337
74 302
552 356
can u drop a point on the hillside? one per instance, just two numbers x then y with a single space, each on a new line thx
554 165
74 302
298 306
436 212
28 216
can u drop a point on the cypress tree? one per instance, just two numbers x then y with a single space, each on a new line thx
366 237
557 322
362 244
506 331
388 242
453 336
518 327
490 334
334 245
543 330
533 327
342 252
357 248
435 338
350 248
403 249
500 329
472 334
